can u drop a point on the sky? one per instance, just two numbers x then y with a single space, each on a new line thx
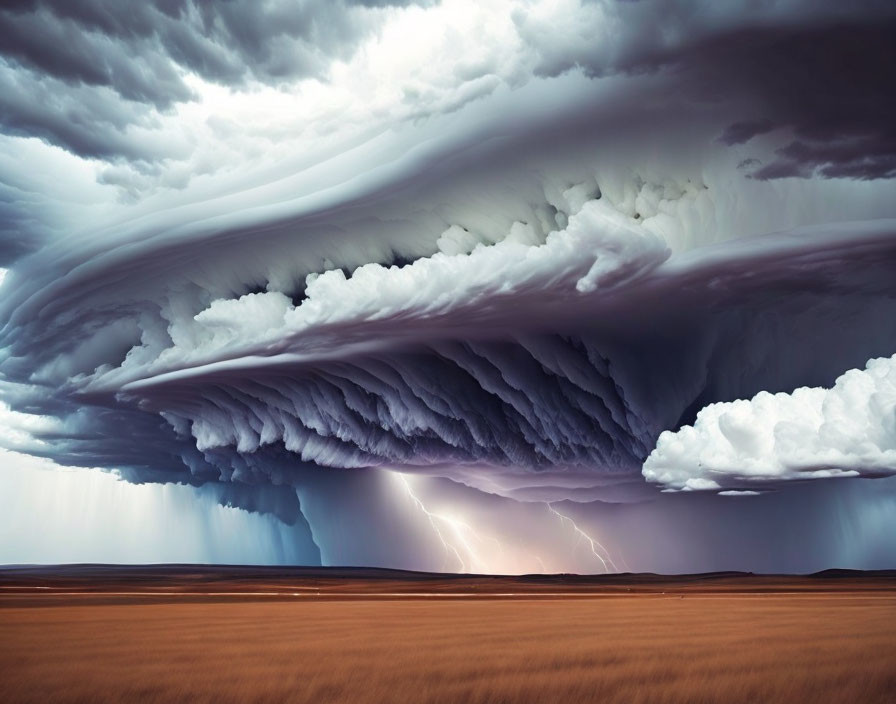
496 286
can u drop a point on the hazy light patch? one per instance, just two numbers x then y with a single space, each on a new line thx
54 514
866 539
467 548
496 535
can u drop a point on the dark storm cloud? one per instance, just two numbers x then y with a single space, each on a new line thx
81 74
862 157
741 132
821 75
133 304
18 226
529 330
87 120
828 91
817 74
54 41
136 48
467 396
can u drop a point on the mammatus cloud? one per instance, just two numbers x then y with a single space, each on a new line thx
848 430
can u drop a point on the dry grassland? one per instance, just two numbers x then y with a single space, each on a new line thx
639 648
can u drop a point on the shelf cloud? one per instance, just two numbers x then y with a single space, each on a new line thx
542 251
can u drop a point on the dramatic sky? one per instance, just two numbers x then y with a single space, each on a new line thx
493 286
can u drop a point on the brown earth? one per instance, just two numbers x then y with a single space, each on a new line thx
164 637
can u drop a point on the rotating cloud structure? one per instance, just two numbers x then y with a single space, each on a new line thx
546 278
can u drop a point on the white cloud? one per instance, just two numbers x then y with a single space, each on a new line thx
599 249
812 433
18 430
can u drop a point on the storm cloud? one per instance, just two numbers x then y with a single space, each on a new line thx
536 253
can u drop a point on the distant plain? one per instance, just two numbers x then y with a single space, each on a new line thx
162 634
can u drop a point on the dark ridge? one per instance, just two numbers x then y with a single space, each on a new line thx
840 573
257 288
689 415
400 261
298 297
243 572
39 585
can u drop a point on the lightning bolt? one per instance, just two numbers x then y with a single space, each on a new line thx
460 535
449 548
604 559
464 545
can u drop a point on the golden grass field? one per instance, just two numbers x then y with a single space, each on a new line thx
643 648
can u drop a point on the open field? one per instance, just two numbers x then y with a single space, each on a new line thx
692 639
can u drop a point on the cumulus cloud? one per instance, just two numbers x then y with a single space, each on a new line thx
599 249
848 430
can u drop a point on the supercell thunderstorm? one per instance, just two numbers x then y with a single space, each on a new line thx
556 283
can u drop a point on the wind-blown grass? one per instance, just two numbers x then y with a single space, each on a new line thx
639 648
